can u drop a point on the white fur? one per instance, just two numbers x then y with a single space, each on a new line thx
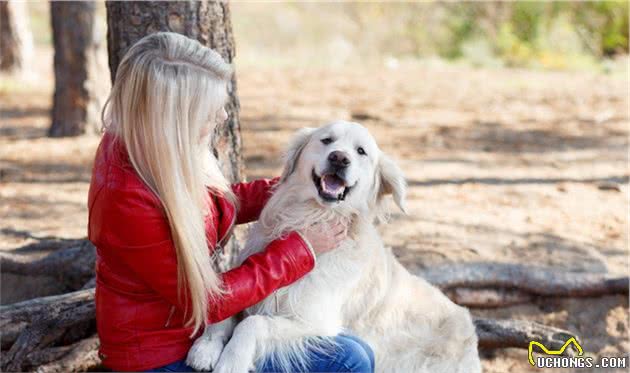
359 286
204 353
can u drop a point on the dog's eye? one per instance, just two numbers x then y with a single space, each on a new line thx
361 151
327 140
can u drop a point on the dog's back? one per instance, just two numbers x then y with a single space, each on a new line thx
413 327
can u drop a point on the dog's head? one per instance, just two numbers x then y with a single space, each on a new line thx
341 167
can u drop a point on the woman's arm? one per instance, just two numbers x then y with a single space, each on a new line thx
282 262
133 236
252 197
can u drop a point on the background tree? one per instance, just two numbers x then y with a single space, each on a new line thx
16 40
77 100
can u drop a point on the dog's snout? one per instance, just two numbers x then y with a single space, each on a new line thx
339 159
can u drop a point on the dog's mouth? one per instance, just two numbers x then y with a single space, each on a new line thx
331 187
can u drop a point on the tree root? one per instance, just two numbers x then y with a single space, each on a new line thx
72 261
487 298
39 323
517 333
78 357
488 285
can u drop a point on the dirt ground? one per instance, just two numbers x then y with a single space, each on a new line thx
509 166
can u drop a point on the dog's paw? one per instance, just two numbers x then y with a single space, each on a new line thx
232 361
205 353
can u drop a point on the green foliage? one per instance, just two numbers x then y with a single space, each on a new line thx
522 33
526 20
606 25
533 33
461 29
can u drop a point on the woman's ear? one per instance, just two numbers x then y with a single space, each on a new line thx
299 141
392 181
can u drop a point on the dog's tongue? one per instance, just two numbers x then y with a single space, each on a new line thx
332 184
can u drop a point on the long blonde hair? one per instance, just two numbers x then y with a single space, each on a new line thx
167 89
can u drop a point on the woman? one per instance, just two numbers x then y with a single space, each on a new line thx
159 208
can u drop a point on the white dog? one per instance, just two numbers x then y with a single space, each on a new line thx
337 173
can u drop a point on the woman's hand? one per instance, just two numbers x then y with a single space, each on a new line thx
324 237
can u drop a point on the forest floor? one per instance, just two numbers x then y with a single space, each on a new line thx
511 166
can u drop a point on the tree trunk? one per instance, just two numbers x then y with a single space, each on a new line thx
77 99
205 21
16 40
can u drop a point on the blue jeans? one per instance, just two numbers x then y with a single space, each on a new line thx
351 355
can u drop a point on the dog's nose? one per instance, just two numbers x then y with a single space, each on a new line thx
339 159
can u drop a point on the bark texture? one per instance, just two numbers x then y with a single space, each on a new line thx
517 333
71 264
81 356
205 21
16 40
526 278
35 325
77 100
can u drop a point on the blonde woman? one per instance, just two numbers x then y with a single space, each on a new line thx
159 207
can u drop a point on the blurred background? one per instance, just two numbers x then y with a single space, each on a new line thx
510 121
542 35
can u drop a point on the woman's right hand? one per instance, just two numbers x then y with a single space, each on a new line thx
324 237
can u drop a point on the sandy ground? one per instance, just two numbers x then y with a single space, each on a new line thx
508 166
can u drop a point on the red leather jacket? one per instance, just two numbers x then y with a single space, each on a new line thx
139 315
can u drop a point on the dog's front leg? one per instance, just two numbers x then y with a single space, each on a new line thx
239 355
205 352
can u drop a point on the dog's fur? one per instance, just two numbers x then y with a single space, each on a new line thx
359 286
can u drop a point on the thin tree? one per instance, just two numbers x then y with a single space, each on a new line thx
77 100
16 40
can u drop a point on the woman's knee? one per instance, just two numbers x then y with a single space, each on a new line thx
356 356
366 347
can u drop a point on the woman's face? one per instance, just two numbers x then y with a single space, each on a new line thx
220 117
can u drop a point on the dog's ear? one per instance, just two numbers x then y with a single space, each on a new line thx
392 181
296 146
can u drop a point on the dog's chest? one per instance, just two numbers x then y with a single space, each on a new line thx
318 298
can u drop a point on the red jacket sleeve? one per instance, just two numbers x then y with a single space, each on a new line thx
138 238
252 197
282 262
